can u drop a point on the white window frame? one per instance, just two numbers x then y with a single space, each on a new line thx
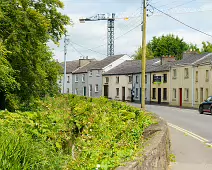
174 93
76 91
207 75
136 79
117 79
83 77
174 73
68 79
96 88
107 78
90 90
117 90
186 73
98 73
186 94
90 73
136 92
76 78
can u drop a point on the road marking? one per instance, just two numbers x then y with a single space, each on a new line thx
195 136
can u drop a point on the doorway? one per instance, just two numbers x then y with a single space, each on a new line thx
123 94
181 97
106 91
84 91
159 95
201 95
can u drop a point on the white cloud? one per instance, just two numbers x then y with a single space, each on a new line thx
93 34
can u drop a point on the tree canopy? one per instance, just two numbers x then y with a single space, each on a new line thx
26 28
170 45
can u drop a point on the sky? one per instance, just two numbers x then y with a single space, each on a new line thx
86 37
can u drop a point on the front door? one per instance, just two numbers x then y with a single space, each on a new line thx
2 101
181 97
159 95
106 91
123 94
84 91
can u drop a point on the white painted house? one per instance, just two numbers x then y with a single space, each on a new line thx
71 66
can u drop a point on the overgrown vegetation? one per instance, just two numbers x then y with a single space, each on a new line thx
27 68
72 132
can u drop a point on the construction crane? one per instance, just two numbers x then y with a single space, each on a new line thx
110 29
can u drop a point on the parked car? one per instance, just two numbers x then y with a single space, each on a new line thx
206 106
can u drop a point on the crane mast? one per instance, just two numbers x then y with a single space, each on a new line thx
110 29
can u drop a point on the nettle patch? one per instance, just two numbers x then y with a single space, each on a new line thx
76 133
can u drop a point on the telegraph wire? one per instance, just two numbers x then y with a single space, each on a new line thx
87 48
182 22
76 50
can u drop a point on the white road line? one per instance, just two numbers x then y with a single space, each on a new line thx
195 136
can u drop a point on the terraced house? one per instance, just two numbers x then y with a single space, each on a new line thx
160 81
125 78
71 66
87 80
190 80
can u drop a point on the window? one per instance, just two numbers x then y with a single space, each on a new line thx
145 93
97 88
174 93
90 73
90 90
68 81
136 79
186 94
117 92
67 90
83 78
129 92
196 76
206 93
136 92
60 80
117 80
146 79
154 93
165 78
98 73
76 91
174 73
165 94
207 76
186 75
196 94
76 78
107 79
130 79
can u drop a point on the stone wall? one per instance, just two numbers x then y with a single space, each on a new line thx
155 155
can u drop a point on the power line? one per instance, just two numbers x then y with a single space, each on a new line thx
76 50
182 22
87 48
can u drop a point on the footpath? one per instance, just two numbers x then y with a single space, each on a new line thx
190 153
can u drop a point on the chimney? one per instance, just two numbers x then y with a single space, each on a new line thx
166 59
84 61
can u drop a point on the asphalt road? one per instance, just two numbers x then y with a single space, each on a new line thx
187 119
191 152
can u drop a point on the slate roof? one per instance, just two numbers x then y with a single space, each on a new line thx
95 65
130 67
206 60
71 66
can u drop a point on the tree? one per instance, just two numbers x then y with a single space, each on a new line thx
193 47
26 27
138 54
207 47
167 45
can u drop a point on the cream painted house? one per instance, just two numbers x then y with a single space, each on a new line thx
118 82
160 84
187 81
202 80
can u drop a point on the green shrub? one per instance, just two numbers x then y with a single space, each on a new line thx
80 132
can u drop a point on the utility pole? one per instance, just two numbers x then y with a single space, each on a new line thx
66 42
143 60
